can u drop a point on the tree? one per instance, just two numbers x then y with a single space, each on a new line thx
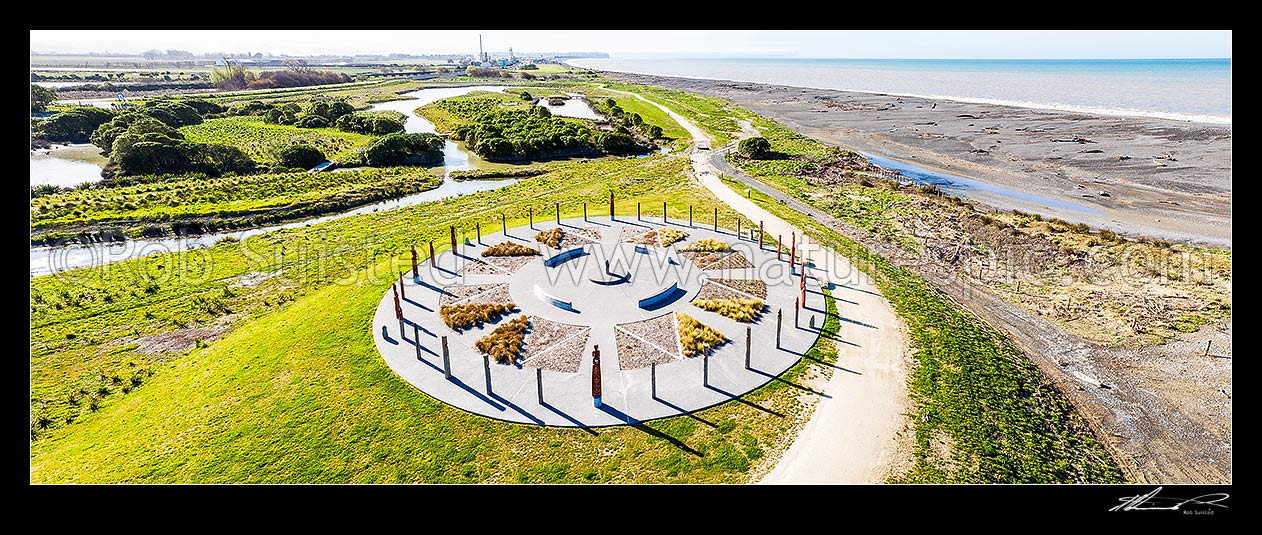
755 147
653 131
300 156
41 97
231 76
526 96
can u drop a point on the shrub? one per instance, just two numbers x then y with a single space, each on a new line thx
311 121
697 338
550 237
504 343
74 125
755 147
668 236
1108 235
708 245
300 156
509 249
463 316
41 97
526 96
404 149
742 309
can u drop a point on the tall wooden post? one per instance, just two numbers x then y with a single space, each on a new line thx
705 369
716 219
402 289
779 320
793 253
663 212
690 216
431 253
653 378
637 212
558 205
584 210
504 224
539 383
486 365
802 284
479 227
760 235
530 213
415 272
748 335
779 245
416 337
453 239
398 310
797 310
611 206
446 360
738 227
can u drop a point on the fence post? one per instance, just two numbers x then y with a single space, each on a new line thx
760 235
653 378
690 216
486 365
416 336
479 227
504 224
446 360
716 219
539 383
779 320
705 369
748 335
637 211
663 212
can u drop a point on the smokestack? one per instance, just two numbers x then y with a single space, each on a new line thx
481 55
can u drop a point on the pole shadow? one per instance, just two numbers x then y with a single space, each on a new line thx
594 222
857 322
626 418
745 401
434 288
831 365
419 327
857 289
385 335
570 419
674 441
790 383
414 303
632 223
683 412
519 410
476 394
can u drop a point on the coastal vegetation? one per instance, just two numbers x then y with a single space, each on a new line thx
261 140
461 316
550 237
696 338
742 309
509 248
404 149
504 343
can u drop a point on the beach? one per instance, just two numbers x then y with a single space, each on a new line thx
1140 176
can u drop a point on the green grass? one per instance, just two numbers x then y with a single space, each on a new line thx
261 140
716 116
359 94
236 200
296 392
449 112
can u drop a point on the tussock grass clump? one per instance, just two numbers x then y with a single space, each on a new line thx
463 316
697 338
668 236
708 245
551 238
742 309
509 248
504 344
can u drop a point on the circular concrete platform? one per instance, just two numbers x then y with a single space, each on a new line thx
606 311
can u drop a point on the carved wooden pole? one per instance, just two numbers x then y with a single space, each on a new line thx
453 239
431 253
479 227
530 212
584 210
760 235
637 212
596 376
611 206
779 245
415 272
398 310
705 369
486 365
558 205
402 290
793 253
797 309
504 224
663 212
690 216
802 284
716 219
738 227
539 383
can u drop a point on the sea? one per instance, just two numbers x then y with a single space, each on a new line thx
1193 90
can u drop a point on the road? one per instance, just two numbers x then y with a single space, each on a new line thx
852 435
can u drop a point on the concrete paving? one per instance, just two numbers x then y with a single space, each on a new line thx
512 391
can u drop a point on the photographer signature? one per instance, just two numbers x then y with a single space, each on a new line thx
1152 502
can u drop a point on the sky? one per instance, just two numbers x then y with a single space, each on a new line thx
987 44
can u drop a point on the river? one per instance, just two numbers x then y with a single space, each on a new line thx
48 260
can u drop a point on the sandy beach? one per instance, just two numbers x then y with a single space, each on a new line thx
1145 176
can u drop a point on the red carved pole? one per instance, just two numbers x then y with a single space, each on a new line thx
596 376
415 272
779 241
453 239
803 283
402 289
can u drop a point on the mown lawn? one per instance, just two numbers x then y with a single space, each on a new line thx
261 140
295 391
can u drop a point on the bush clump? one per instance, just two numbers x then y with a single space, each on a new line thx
552 238
708 245
697 338
464 316
509 249
742 309
668 236
504 343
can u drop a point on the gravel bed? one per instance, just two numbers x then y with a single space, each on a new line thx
660 330
546 333
563 358
480 267
457 292
711 261
495 293
632 353
711 290
591 233
510 263
641 237
753 287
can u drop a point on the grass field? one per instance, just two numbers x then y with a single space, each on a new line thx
715 116
448 112
261 140
359 94
295 391
265 197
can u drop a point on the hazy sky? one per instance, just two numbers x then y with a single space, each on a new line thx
735 43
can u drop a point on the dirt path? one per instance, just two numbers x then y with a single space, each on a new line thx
852 435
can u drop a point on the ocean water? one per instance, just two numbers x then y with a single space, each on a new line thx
1195 90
